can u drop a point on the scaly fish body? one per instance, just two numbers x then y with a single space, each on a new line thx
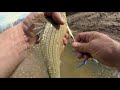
51 45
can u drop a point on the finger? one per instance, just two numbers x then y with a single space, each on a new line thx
29 19
66 35
79 55
84 36
48 13
81 47
32 40
57 17
85 57
30 28
65 41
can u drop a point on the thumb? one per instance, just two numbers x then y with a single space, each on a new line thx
57 17
81 47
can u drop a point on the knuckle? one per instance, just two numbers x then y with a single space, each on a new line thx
94 32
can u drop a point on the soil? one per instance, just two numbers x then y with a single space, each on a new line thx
106 22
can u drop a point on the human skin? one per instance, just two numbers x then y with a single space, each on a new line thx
99 46
15 40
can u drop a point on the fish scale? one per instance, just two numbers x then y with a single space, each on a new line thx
51 52
51 44
46 45
57 51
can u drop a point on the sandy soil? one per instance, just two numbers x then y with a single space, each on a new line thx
108 22
81 22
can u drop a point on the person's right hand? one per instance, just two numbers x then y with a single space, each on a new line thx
99 46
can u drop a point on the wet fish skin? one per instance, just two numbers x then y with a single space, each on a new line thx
51 44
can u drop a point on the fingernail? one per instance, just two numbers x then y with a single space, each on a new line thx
75 44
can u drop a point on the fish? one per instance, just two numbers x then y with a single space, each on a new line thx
44 58
51 42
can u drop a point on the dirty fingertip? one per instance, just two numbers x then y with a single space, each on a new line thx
75 44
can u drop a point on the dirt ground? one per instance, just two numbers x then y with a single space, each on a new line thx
107 22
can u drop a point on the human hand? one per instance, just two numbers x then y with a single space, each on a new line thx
99 46
28 26
15 40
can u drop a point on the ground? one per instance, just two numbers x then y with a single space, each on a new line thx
108 22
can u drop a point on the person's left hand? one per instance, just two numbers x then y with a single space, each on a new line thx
27 24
